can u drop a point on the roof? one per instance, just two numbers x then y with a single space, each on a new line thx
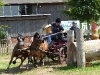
30 1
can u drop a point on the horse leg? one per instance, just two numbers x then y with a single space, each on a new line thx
22 60
10 62
14 62
29 61
35 62
42 61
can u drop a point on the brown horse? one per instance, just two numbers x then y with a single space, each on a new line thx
19 51
38 48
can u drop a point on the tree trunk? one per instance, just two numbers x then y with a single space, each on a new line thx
80 49
88 27
91 48
70 39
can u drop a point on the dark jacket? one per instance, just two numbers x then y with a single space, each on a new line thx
56 29
74 28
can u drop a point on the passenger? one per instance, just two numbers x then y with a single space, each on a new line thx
48 33
74 27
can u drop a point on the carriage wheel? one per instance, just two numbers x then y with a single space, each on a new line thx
54 58
63 55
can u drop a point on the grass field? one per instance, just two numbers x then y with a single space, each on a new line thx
50 68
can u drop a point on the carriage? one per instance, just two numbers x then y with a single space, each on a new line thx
58 49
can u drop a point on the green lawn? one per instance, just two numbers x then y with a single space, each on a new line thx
50 68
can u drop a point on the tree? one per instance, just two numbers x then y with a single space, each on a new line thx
1 3
3 33
83 10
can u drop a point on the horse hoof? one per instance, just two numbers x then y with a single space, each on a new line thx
41 64
6 70
31 61
14 62
27 68
35 66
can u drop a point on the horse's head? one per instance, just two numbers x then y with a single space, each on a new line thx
20 39
38 38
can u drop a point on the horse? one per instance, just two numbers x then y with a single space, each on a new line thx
39 48
20 51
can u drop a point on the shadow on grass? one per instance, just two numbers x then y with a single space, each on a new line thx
75 66
59 66
68 67
96 64
16 70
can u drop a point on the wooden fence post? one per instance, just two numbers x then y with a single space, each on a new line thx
70 39
9 42
80 49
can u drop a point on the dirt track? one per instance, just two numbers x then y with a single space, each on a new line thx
41 70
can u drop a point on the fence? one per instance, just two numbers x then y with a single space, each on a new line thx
6 48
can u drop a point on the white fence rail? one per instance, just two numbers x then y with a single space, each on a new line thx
6 49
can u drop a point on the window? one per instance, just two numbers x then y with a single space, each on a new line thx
7 10
15 10
23 9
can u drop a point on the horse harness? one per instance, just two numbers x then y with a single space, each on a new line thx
23 49
37 49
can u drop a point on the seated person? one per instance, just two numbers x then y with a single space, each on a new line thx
56 28
48 32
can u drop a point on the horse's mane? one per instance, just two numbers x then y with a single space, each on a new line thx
35 35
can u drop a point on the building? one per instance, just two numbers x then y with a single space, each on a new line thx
29 7
29 16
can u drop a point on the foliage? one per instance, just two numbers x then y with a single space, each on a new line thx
83 10
2 28
3 33
1 3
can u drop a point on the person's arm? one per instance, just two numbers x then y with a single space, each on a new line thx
62 29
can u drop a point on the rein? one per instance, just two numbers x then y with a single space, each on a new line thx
37 48
51 34
24 49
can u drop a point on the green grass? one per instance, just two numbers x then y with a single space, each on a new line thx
48 69
73 70
13 68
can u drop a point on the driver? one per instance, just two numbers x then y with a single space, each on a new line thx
56 28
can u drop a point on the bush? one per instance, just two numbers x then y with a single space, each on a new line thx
3 35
